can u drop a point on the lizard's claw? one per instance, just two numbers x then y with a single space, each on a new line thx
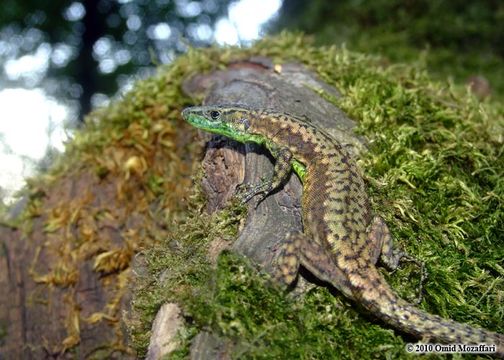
245 192
423 275
260 198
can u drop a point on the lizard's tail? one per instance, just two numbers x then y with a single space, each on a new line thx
382 301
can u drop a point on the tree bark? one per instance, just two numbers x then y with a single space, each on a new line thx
47 297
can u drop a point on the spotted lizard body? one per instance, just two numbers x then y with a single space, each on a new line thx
342 241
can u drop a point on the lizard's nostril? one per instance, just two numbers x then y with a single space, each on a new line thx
185 113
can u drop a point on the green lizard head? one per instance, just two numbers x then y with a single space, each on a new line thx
223 120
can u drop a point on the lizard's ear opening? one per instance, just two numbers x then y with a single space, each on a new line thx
245 123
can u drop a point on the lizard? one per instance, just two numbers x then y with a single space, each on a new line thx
341 241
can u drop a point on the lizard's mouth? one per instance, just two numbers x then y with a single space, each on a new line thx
196 118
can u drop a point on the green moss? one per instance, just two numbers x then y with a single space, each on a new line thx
178 264
435 173
263 323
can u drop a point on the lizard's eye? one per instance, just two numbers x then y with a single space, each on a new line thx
214 114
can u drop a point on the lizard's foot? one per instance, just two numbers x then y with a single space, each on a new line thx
423 275
241 192
245 192
392 264
383 248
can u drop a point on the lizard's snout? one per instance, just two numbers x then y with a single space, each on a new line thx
185 113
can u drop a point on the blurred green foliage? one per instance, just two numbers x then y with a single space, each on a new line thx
454 38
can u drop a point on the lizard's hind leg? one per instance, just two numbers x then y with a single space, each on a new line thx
300 249
390 256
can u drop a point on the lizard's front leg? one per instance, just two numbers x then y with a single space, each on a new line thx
282 169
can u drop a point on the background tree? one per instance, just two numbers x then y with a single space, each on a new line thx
87 50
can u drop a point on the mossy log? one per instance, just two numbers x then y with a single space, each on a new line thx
289 88
56 309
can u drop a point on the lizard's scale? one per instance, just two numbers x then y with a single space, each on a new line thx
341 242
